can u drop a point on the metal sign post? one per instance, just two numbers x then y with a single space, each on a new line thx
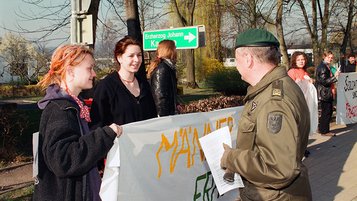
81 23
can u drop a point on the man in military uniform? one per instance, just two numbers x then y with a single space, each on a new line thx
274 126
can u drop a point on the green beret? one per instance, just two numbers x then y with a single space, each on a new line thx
256 38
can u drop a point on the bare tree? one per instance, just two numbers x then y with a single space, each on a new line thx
53 21
106 35
317 21
346 28
205 10
184 10
20 56
93 10
280 33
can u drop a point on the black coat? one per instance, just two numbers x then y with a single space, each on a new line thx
348 68
324 81
68 155
113 103
164 88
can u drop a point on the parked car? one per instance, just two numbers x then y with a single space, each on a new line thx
229 62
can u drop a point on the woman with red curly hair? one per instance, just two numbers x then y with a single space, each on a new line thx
298 67
298 73
68 152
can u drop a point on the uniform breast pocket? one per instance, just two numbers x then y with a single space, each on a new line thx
246 133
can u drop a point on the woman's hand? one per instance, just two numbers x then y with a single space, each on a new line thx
337 74
117 129
179 108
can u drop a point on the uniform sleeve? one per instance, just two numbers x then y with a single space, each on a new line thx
161 86
268 159
65 151
100 109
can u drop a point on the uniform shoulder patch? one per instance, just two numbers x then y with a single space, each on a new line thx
275 120
254 106
277 88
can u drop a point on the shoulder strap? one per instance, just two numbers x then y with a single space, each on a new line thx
277 89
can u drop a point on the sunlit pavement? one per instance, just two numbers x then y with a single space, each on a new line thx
332 164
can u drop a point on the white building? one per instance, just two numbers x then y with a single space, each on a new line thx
7 77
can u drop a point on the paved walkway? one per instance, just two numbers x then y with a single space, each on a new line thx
332 164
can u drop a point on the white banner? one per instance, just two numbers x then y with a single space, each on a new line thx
161 159
310 93
346 112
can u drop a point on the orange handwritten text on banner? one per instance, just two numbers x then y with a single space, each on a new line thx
185 144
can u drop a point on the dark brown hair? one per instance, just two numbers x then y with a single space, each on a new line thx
350 55
122 44
326 53
294 57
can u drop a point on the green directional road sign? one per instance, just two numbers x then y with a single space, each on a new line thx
185 37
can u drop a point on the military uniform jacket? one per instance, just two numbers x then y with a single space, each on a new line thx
272 137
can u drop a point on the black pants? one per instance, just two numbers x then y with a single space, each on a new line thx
325 116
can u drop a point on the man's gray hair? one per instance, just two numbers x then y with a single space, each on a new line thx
269 54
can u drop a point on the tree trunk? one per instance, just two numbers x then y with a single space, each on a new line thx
280 34
93 10
134 30
347 31
253 13
324 24
187 20
312 30
217 30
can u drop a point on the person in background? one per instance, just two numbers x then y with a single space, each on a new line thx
273 129
350 65
298 73
298 62
68 151
162 75
122 97
325 85
334 69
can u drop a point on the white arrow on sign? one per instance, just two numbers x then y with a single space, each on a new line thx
189 37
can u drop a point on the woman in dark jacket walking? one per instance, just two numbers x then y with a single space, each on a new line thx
68 152
162 75
325 83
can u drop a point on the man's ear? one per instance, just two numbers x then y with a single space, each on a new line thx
249 59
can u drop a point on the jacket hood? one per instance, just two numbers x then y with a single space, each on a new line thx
53 92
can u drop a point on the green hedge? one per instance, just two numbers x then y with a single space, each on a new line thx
15 91
16 128
227 81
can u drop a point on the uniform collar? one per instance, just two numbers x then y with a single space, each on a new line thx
275 74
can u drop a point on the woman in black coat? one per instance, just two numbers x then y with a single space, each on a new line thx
162 75
68 152
122 97
325 83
